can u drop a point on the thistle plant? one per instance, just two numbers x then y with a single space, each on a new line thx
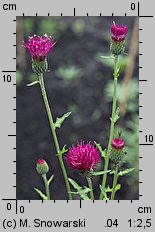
85 156
39 47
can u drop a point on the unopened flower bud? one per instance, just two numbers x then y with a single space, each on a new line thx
118 35
117 151
42 167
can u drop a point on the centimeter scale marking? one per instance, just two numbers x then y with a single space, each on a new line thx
140 80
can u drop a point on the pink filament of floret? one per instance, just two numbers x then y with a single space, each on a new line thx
40 161
39 46
118 33
84 157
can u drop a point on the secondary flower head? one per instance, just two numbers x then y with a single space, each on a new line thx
118 143
117 150
42 167
83 157
39 46
118 33
118 36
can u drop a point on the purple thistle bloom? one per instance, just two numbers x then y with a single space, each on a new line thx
118 143
118 33
84 157
39 46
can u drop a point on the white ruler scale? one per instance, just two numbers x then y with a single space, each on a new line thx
32 215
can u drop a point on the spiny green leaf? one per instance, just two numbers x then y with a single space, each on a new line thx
118 187
43 196
103 153
80 191
74 184
99 173
64 150
107 57
59 121
50 179
108 189
104 194
116 117
33 83
126 171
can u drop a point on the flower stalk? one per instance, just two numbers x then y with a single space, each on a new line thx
116 74
46 186
90 185
114 183
50 117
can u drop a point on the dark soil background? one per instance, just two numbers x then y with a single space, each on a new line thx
76 82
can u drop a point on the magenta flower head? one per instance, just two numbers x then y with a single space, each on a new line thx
83 157
118 35
117 150
118 143
39 47
42 167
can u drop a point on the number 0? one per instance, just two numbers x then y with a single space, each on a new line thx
8 206
133 6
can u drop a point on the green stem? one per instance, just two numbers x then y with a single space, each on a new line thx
114 184
42 86
46 186
111 127
91 188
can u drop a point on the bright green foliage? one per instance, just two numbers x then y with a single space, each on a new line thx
80 190
59 121
32 83
43 196
103 153
125 172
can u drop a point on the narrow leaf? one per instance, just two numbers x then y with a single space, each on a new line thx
100 173
50 179
74 184
108 189
64 150
80 191
33 83
126 171
43 196
103 153
107 57
59 121
116 117
118 187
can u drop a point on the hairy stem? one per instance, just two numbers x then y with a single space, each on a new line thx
50 117
111 127
114 184
91 188
46 187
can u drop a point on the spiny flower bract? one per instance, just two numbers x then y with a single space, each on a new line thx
42 167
